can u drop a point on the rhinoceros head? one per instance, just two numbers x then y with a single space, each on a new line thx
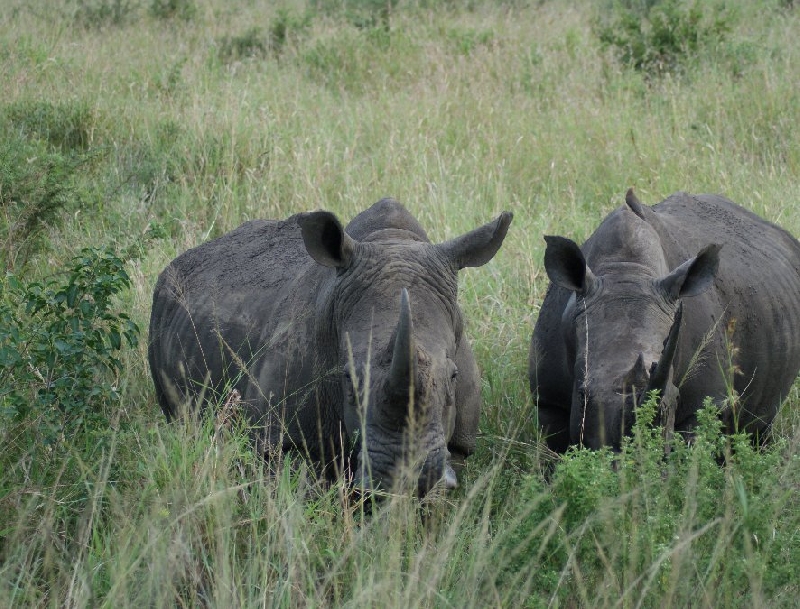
397 330
621 326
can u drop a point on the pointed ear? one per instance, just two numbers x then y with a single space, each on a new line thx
633 203
565 265
325 239
694 276
478 246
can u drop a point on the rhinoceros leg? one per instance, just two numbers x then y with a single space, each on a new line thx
554 423
550 386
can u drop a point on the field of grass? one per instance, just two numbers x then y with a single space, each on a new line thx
144 127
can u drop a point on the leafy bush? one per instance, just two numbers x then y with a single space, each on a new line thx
36 185
250 44
59 346
150 165
464 41
102 13
63 125
360 13
638 523
285 28
662 36
172 9
360 61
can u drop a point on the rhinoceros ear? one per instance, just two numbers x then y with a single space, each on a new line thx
565 265
694 276
325 239
633 203
477 247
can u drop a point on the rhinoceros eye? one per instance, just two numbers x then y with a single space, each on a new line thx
453 371
350 384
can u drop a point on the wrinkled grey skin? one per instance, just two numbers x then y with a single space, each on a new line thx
287 311
601 338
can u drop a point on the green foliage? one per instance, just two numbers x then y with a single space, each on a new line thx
173 9
64 125
461 110
287 28
251 44
59 346
360 13
36 186
466 41
660 37
97 14
148 164
642 525
358 60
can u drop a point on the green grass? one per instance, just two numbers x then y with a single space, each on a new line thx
180 120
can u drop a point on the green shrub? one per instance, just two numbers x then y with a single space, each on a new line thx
464 41
287 28
149 165
251 44
63 125
97 14
173 9
284 29
36 186
651 527
360 61
662 36
360 13
60 343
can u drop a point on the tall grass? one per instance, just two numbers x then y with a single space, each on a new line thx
194 121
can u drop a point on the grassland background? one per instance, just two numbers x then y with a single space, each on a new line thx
199 122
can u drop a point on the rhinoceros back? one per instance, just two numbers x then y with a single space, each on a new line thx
214 300
756 296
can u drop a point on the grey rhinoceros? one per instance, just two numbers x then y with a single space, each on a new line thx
694 296
336 339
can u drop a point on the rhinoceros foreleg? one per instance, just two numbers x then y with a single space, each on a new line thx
554 423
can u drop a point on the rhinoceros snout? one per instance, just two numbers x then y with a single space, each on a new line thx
435 470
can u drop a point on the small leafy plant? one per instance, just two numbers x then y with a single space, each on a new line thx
60 343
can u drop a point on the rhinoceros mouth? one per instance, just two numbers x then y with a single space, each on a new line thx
372 476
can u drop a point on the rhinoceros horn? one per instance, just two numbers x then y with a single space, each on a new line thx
659 375
403 370
636 376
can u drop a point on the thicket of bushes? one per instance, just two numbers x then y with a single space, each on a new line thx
656 37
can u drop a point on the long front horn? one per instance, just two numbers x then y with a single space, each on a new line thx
403 370
659 376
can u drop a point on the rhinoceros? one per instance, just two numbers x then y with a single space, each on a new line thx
692 297
339 341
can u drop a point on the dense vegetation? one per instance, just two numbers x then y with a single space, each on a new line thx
131 130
